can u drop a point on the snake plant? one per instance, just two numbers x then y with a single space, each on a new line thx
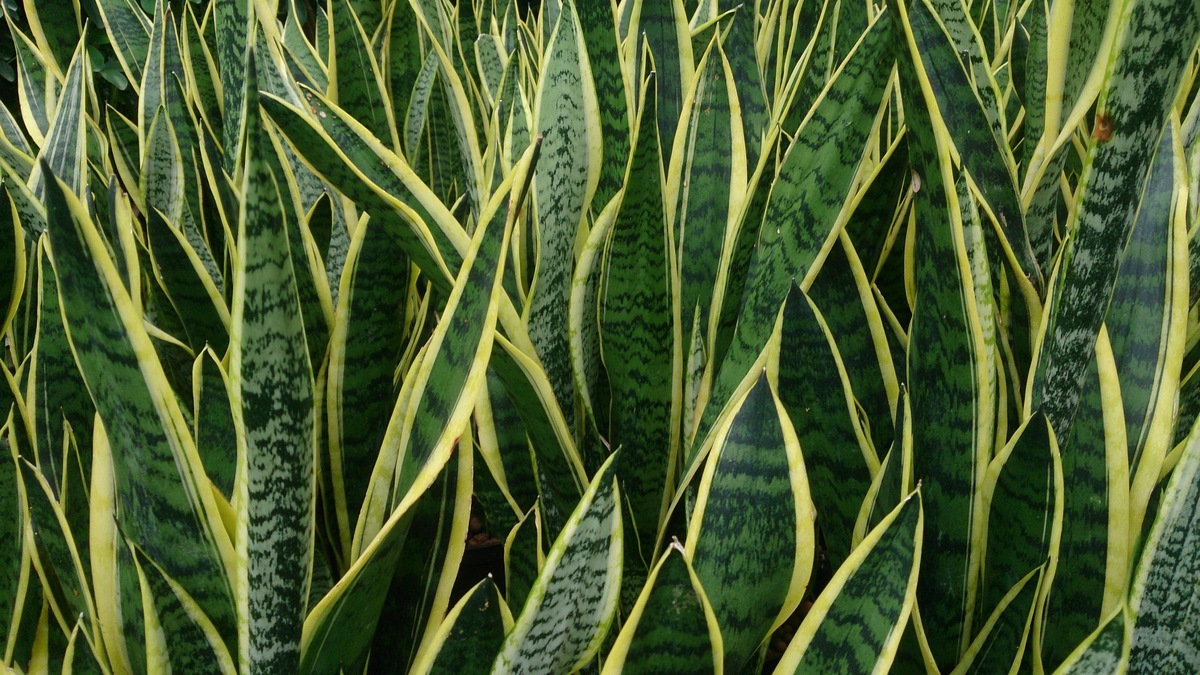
773 336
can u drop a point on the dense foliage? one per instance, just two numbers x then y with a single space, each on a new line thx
786 335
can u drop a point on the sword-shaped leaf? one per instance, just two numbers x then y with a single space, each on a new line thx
1155 43
855 625
948 361
425 427
671 628
65 148
1023 495
572 603
751 535
163 500
815 391
471 634
568 121
355 80
1106 650
637 334
129 34
1166 589
271 382
803 215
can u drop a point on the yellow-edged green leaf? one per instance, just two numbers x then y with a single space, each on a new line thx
271 384
162 500
855 625
1166 588
671 628
572 603
802 218
637 334
1154 43
751 532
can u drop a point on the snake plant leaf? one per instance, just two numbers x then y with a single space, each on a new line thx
671 628
65 148
187 286
523 557
355 81
212 417
1150 291
401 59
58 554
471 633
429 562
365 350
1106 650
1154 44
200 67
345 155
162 498
739 45
637 333
1003 639
664 27
13 563
976 145
194 644
856 623
1093 552
271 384
1023 494
837 458
56 395
416 449
128 32
599 33
233 23
952 396
37 85
417 112
1166 588
751 532
572 603
802 216
843 292
894 479
708 173
568 121
14 149
502 432
490 60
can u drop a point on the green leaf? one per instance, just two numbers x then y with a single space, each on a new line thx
429 418
471 633
751 531
855 625
271 384
573 601
1003 640
1106 650
1023 495
163 502
365 351
1154 44
234 25
637 337
815 391
65 148
802 217
355 81
671 628
1166 587
568 121
129 34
